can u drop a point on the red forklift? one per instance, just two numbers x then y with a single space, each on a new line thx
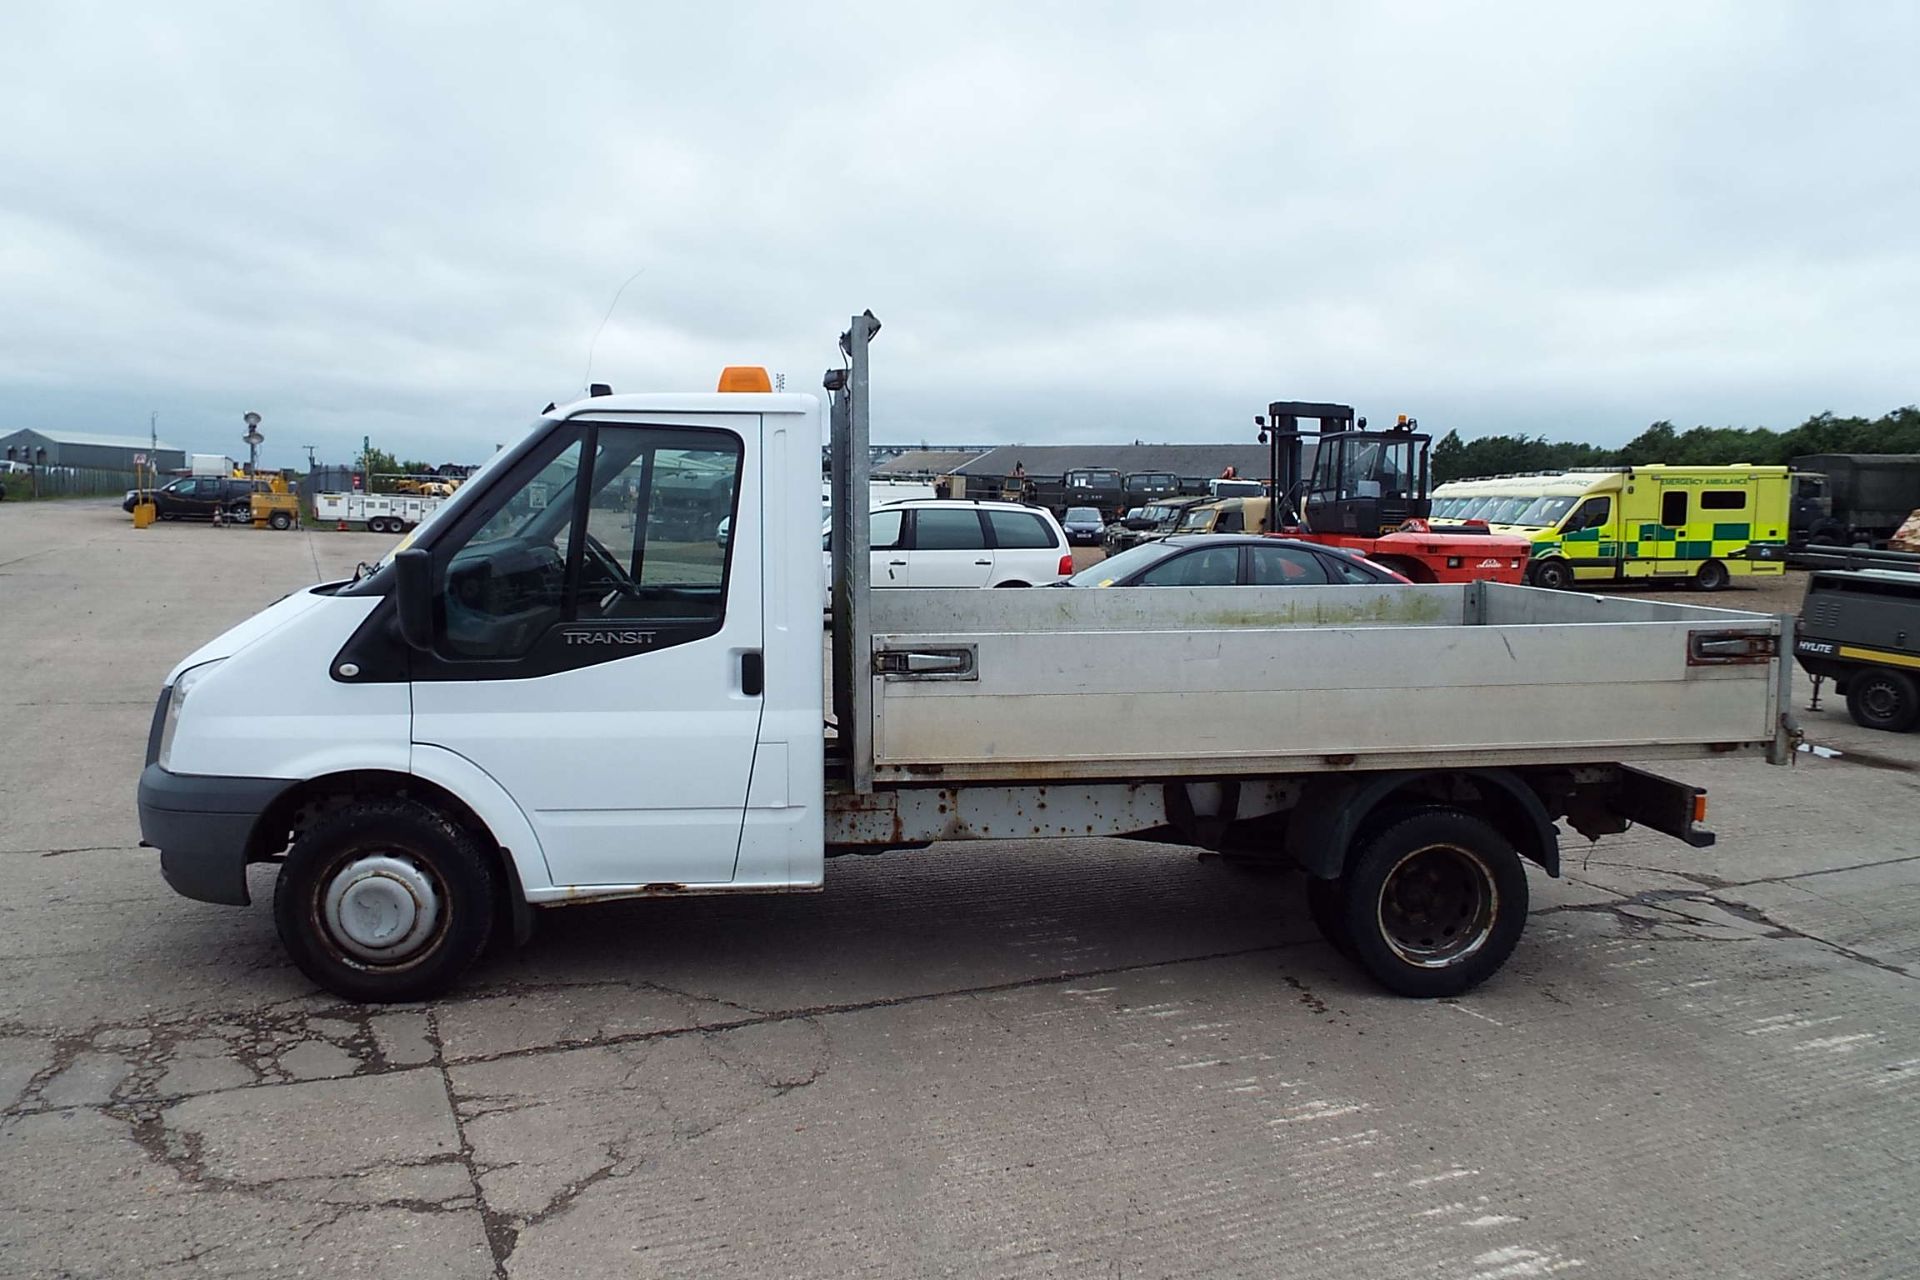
1371 492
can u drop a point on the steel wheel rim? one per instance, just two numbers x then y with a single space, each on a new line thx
1880 700
383 909
1437 906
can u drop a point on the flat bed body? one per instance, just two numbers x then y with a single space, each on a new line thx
1080 685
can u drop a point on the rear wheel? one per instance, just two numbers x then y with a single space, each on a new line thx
1555 575
1883 699
385 900
1713 576
280 520
1434 903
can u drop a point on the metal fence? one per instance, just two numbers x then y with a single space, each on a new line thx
67 482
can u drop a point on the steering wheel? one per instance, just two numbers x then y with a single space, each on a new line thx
610 568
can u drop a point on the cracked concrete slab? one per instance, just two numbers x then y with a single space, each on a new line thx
1019 1059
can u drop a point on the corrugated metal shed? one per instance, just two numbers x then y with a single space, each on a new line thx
86 449
936 462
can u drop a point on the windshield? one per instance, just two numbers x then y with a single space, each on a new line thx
1542 512
1124 565
1200 518
1083 515
1503 510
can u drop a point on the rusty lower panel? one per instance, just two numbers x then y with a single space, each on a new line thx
913 815
575 895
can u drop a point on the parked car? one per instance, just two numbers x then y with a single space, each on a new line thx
1083 524
934 542
1229 560
198 497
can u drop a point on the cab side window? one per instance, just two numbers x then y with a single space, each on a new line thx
1591 514
656 499
617 526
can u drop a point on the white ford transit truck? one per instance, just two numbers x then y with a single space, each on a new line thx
562 688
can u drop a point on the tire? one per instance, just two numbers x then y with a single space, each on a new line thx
1554 575
361 871
1434 903
1713 576
1884 699
280 520
1012 584
1326 901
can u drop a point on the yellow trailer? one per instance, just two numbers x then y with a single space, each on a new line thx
1657 521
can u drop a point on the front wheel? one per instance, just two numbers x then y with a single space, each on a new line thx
1555 575
385 900
1434 903
280 520
1713 576
1883 699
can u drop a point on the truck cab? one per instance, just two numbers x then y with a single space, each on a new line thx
561 653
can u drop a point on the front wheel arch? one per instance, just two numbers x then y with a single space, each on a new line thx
277 826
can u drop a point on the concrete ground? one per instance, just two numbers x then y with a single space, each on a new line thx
1015 1059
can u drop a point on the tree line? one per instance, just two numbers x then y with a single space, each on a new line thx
1896 432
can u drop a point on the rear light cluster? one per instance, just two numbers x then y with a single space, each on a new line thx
1066 565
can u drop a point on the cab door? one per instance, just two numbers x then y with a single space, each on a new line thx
1587 539
598 653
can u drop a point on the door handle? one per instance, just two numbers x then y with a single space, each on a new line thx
901 563
987 562
753 674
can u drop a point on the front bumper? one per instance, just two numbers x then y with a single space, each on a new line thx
202 827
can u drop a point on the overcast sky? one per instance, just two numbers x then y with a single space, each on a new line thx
1076 222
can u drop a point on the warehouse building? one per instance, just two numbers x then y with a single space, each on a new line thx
87 449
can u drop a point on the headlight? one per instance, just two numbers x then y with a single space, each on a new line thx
182 688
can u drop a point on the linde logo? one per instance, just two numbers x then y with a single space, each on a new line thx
640 638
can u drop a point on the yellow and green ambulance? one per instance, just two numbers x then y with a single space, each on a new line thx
1684 523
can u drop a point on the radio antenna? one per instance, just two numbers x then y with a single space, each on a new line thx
587 380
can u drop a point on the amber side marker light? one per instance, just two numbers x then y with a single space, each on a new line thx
745 377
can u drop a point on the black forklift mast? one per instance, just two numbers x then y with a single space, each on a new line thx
1338 430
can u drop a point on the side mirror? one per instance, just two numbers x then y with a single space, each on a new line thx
413 596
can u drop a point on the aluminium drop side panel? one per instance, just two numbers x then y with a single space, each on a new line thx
1226 694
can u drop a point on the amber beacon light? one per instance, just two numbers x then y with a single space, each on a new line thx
745 377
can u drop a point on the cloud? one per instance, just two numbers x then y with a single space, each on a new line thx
1077 223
